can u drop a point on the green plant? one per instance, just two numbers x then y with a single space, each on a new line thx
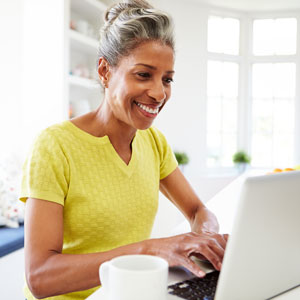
241 157
181 158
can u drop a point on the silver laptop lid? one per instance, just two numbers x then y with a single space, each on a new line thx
262 258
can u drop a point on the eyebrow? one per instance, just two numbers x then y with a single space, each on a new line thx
153 68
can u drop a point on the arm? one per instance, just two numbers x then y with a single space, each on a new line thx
48 271
178 190
204 240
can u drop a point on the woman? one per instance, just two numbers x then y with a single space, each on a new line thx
91 184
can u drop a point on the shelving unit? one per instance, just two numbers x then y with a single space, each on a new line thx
83 82
84 92
83 43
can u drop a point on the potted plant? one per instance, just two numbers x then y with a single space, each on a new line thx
182 159
241 160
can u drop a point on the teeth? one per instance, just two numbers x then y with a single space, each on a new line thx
147 109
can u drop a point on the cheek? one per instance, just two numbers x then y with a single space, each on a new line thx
168 93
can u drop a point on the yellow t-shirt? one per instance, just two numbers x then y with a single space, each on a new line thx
107 203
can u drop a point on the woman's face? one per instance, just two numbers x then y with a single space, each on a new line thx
140 85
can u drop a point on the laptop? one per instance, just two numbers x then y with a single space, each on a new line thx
262 258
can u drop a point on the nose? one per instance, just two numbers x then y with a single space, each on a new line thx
157 91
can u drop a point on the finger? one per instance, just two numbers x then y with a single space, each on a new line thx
220 239
201 242
226 237
214 255
190 265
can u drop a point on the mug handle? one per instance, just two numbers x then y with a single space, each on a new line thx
103 273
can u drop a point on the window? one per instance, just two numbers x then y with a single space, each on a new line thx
273 114
222 90
274 37
273 93
223 35
267 129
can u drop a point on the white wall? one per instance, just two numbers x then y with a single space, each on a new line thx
10 74
32 70
44 71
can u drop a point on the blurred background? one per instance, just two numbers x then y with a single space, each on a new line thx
236 88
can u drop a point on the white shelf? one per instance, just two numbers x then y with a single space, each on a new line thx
82 42
83 82
89 8
83 52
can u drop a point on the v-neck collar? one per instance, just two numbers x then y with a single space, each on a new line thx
126 169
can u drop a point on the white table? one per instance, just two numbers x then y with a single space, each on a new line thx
224 207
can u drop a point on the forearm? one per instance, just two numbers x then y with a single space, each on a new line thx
204 220
64 273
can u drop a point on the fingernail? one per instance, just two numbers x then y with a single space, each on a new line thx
219 266
201 273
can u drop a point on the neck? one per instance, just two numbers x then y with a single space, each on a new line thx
105 123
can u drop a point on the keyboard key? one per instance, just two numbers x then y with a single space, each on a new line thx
196 288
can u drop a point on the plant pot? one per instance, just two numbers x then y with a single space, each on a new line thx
241 167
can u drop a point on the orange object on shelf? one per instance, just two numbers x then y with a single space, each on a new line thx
288 169
278 170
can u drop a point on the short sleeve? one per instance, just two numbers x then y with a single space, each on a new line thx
46 170
168 162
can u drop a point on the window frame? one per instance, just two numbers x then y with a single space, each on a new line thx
246 59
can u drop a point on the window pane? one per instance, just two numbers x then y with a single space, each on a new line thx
214 149
286 36
263 37
284 80
222 112
215 38
229 116
214 114
275 36
263 116
222 79
261 150
230 79
229 148
262 79
283 116
274 80
231 31
283 143
214 78
273 114
223 35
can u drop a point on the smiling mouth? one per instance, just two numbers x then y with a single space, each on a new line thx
153 111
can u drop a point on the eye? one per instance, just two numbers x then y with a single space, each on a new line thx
168 80
143 74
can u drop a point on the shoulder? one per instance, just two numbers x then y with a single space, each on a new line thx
155 134
53 133
156 139
51 139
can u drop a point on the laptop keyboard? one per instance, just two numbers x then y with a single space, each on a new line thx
196 288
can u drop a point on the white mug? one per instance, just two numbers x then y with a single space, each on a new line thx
134 277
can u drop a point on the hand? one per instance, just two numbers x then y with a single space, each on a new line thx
177 250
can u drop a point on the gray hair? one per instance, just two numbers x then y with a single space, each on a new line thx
130 23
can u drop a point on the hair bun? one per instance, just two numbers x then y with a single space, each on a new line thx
113 12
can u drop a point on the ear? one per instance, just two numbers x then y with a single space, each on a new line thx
103 71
